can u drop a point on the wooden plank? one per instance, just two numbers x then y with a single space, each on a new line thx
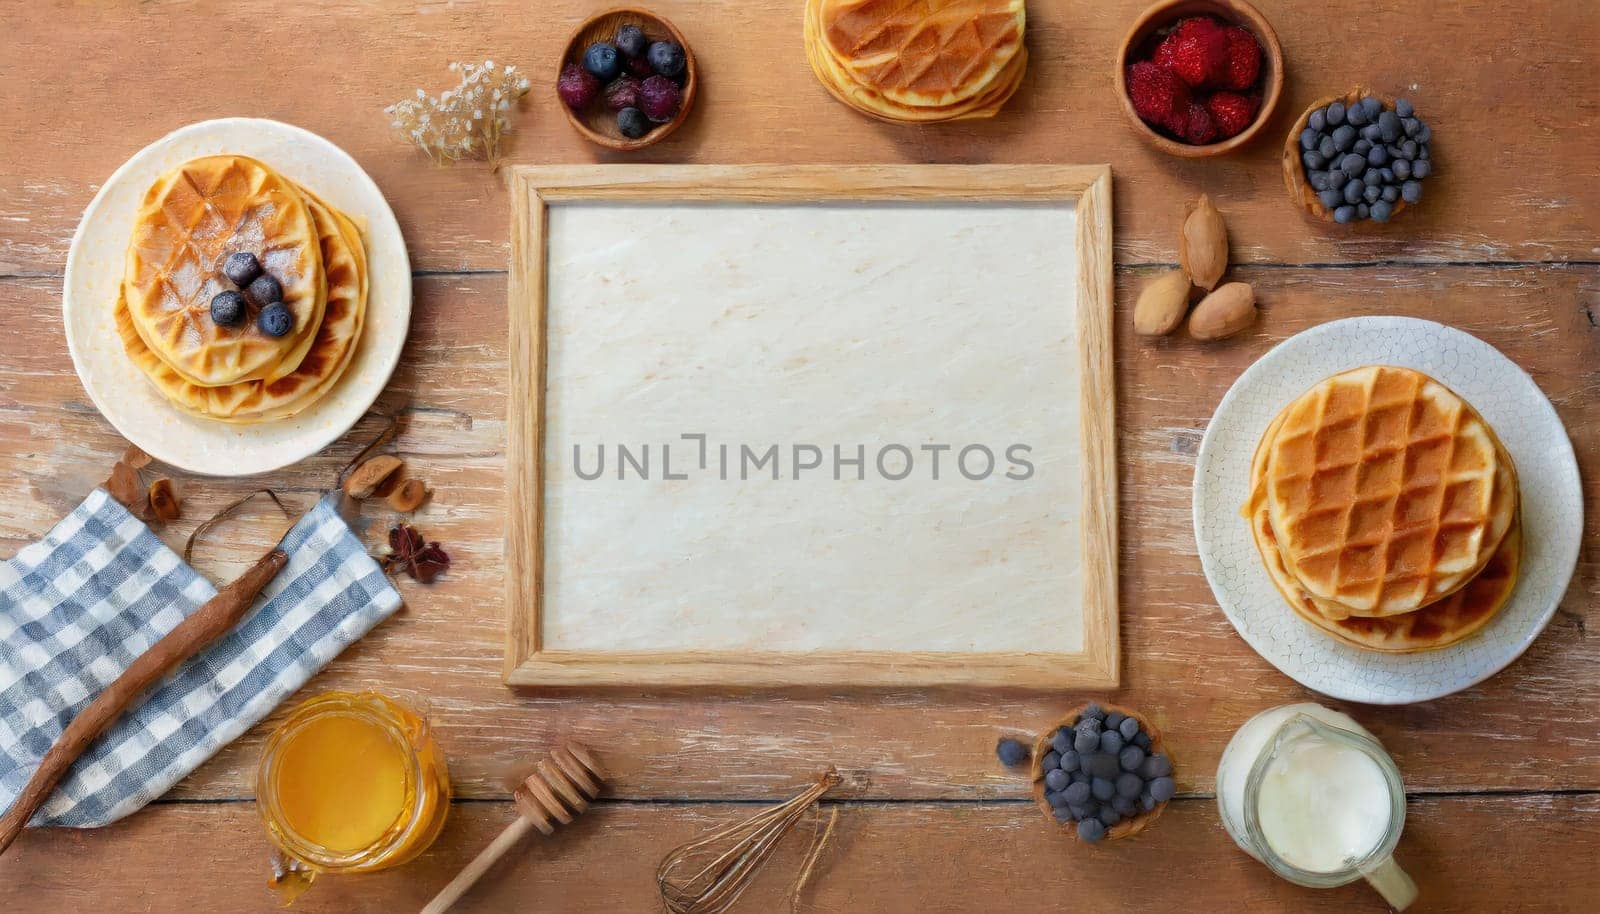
1530 728
1512 108
899 857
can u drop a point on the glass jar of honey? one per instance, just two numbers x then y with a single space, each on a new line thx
352 782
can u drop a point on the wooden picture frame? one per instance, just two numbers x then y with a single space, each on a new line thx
535 188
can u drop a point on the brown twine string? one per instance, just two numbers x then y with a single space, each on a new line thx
818 845
732 856
213 520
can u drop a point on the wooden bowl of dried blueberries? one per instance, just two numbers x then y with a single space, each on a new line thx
1103 772
627 79
1357 159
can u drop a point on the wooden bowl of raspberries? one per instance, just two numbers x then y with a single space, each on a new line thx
1098 785
627 79
1199 78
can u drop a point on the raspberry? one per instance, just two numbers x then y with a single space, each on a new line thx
577 86
1199 128
1199 51
1244 60
658 98
1159 97
1232 112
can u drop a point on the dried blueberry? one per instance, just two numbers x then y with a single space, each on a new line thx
266 289
632 123
602 60
275 320
667 58
1091 830
622 92
630 40
227 308
241 268
1011 752
1163 789
1056 780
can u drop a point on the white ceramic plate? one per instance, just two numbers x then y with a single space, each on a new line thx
1552 507
94 268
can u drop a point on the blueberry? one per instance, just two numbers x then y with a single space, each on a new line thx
1402 108
1373 177
1371 133
1080 777
1377 155
1336 179
1318 120
1129 785
1156 766
1130 758
1142 740
1421 168
1077 794
1163 789
1402 169
1056 798
1353 191
602 61
1124 805
241 268
1389 126
1336 113
1111 741
1069 761
1372 193
266 289
1129 729
1101 765
1372 106
227 308
1088 724
1308 138
1091 830
1362 147
1353 164
1094 712
1109 816
1363 210
1411 191
1382 210
1343 138
1313 159
1062 740
632 123
1011 752
1422 153
630 40
1408 149
1102 788
1391 194
1424 133
1086 741
1079 813
667 59
1056 780
1050 761
1410 126
1357 115
1062 815
1114 719
275 320
1387 174
1331 199
1147 801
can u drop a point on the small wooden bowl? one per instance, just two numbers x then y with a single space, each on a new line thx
598 123
1127 828
1294 170
1168 12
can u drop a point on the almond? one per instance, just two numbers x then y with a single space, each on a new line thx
1203 244
1162 304
1224 312
409 496
163 500
370 475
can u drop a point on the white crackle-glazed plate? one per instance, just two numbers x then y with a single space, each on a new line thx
1552 507
94 269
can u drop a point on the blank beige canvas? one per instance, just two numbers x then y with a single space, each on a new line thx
852 324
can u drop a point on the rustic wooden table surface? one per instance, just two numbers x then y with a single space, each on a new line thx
1504 779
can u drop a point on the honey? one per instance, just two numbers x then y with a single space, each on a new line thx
352 782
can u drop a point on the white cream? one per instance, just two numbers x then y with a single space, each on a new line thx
1323 805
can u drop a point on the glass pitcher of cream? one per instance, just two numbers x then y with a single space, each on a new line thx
1310 793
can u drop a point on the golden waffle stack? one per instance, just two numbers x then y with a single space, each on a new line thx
918 61
1386 511
191 220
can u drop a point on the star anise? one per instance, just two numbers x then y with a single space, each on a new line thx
410 553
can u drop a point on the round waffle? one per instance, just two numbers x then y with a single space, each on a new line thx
923 53
929 81
191 219
1380 486
345 263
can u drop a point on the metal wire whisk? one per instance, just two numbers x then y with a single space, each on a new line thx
708 875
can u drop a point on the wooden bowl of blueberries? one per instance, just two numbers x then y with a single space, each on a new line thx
627 79
1357 159
1102 772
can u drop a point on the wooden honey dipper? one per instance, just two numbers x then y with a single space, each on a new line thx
558 791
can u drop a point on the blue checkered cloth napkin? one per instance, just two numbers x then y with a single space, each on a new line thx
77 607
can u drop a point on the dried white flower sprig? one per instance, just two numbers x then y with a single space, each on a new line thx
465 121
